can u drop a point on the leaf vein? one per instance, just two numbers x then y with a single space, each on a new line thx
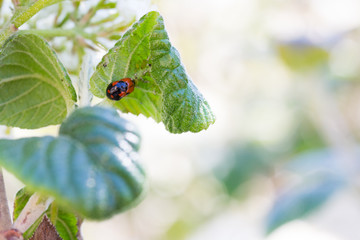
20 95
132 53
35 106
35 60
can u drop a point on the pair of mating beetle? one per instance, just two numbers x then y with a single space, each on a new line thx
119 89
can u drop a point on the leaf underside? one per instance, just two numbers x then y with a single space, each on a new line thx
46 231
91 168
163 90
35 89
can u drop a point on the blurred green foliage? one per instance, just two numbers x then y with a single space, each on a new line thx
302 56
241 163
306 136
302 199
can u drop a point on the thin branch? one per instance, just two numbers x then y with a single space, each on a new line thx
84 94
4 34
58 32
85 20
23 17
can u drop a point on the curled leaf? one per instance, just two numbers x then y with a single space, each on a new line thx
163 90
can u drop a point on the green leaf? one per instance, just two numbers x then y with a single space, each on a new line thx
241 163
21 198
163 90
302 56
65 222
305 136
91 168
35 89
302 199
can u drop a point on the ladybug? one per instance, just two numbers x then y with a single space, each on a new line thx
119 89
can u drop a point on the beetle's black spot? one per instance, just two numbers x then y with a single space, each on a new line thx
105 64
113 92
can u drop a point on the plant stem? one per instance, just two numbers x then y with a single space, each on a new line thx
5 219
4 35
84 94
24 17
31 11
58 32
33 209
54 212
85 21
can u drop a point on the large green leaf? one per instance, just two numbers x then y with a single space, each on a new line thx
35 89
163 90
90 168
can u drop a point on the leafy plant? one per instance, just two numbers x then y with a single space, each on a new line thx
91 169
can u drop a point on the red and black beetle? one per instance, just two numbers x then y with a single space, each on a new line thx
119 89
